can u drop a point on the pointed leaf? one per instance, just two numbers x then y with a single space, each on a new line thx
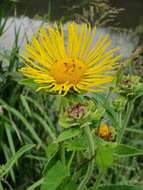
71 186
123 150
77 144
14 158
104 157
120 187
51 151
68 134
54 176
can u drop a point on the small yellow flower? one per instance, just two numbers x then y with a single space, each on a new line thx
58 65
104 131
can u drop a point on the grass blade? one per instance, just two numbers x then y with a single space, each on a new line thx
14 158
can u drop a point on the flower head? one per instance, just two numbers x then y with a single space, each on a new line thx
58 65
106 132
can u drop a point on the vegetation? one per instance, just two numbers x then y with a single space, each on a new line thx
35 154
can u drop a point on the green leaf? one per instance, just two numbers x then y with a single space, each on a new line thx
71 186
123 150
25 104
29 83
1 187
104 157
9 137
35 185
67 185
51 151
7 155
7 167
24 121
120 187
68 134
77 144
45 125
37 105
102 99
54 176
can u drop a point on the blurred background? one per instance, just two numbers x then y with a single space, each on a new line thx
25 115
130 12
124 19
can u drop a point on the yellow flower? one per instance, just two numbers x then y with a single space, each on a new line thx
104 131
60 65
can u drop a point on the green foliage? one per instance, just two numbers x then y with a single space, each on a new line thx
62 156
68 134
130 86
76 144
123 150
51 151
121 187
104 157
54 176
7 167
70 186
35 185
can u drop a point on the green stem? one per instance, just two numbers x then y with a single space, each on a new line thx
70 161
98 180
91 163
63 154
62 146
130 106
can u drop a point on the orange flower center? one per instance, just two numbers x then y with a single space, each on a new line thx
68 70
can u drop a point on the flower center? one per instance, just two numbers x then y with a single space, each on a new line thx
76 111
68 70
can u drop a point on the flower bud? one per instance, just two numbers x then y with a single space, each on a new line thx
119 103
106 132
79 113
129 86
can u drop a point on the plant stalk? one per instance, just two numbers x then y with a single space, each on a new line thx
63 154
91 154
130 106
99 178
70 161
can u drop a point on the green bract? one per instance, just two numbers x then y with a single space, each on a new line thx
129 86
79 113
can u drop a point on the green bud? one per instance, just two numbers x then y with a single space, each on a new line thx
119 103
129 86
78 113
106 132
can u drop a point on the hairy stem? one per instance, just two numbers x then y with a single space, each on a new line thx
98 180
63 153
91 163
130 106
70 161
